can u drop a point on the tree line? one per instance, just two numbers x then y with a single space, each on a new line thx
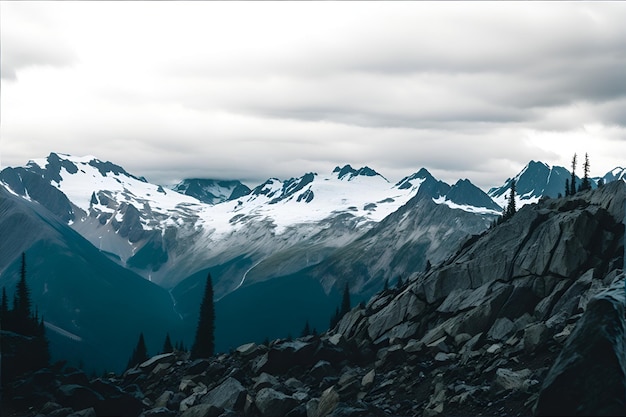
24 344
570 185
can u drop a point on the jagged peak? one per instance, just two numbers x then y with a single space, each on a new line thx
422 174
53 163
349 173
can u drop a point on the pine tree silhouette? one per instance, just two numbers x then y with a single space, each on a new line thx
306 330
140 353
167 344
5 321
572 183
33 353
204 343
511 209
586 184
22 317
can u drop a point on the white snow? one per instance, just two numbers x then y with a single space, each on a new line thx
470 209
331 195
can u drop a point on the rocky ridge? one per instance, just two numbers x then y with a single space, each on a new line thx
490 331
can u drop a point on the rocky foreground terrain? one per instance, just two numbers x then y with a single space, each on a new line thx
527 318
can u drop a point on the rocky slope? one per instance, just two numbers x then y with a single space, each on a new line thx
533 304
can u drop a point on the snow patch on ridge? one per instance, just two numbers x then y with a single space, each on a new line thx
469 209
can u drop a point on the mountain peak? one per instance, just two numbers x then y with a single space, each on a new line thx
422 174
349 173
616 173
463 192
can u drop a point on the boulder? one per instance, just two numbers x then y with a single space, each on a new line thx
573 248
272 403
368 379
158 412
589 375
501 329
535 336
265 380
348 324
230 395
148 365
163 399
507 379
404 307
321 369
198 366
282 357
247 349
87 412
327 403
203 410
78 397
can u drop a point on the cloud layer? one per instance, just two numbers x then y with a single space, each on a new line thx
252 90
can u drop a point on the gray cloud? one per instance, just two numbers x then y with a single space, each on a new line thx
249 91
30 39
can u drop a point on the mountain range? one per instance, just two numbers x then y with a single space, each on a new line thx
87 223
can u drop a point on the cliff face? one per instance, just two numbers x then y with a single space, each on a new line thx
477 334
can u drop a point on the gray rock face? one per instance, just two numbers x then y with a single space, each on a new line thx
405 306
589 376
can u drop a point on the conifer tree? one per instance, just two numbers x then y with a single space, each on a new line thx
34 354
140 353
567 187
586 184
4 311
204 343
167 344
510 209
41 352
306 330
22 314
572 183
601 183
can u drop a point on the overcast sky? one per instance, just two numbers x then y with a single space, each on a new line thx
255 90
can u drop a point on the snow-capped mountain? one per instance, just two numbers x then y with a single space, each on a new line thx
212 191
166 236
615 174
535 180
